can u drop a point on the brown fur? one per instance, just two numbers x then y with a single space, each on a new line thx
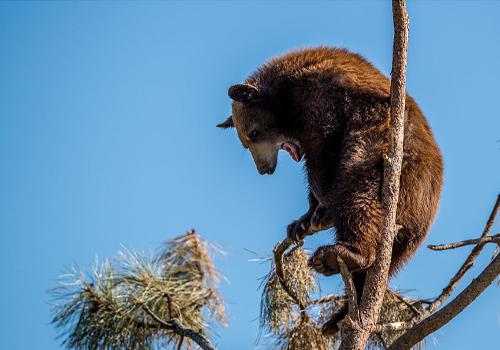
335 105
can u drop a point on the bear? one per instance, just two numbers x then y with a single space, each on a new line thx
331 108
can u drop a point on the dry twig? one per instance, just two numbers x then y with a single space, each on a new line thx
448 290
352 298
452 309
279 249
484 240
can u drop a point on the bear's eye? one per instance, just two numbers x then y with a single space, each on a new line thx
253 134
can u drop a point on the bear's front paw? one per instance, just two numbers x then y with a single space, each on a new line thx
294 231
322 218
324 261
298 229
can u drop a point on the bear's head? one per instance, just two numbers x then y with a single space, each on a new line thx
259 128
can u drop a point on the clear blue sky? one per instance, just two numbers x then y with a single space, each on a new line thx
107 137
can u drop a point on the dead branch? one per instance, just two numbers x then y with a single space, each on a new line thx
429 321
327 299
393 326
376 281
175 327
452 309
448 290
352 297
484 240
278 251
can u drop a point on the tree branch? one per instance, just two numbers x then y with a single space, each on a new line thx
393 326
415 322
416 311
484 240
175 327
278 251
452 309
376 281
448 290
326 299
350 289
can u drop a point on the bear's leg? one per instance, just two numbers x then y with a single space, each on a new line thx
298 229
331 327
358 216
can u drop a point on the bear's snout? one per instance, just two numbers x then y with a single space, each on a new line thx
265 169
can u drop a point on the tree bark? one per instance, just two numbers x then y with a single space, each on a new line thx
356 336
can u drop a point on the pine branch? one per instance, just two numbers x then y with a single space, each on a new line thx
327 299
279 249
140 302
172 325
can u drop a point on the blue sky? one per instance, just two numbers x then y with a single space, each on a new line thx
107 137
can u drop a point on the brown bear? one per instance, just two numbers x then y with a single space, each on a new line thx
331 107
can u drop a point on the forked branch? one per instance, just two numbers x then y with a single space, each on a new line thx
448 290
431 320
175 327
437 320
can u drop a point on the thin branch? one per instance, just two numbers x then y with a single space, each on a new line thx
376 280
179 346
484 240
393 326
327 299
448 290
350 289
407 303
452 309
278 251
175 327
434 305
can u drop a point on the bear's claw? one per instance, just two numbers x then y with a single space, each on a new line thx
298 229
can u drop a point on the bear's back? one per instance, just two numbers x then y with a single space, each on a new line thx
323 65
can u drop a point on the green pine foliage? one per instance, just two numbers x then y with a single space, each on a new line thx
109 307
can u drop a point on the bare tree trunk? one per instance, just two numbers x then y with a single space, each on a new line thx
355 333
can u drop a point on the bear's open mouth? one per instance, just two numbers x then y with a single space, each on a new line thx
293 150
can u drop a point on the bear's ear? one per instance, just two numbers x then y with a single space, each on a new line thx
244 93
228 123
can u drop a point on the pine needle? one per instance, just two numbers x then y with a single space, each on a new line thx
105 309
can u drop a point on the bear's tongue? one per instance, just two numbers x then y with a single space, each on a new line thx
292 150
